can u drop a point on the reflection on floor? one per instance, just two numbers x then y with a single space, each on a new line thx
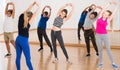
43 60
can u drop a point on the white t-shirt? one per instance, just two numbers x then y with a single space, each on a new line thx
8 24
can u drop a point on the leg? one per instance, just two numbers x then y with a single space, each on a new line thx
79 28
53 38
107 44
100 48
60 40
11 38
18 53
47 40
39 32
6 38
87 41
26 51
94 42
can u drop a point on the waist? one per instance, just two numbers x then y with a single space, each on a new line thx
54 28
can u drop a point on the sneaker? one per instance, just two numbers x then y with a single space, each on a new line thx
8 55
55 61
100 65
97 54
40 49
88 55
115 66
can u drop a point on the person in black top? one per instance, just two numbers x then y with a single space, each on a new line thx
23 34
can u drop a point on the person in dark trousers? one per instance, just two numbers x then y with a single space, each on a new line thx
89 30
21 42
41 30
8 27
56 33
82 20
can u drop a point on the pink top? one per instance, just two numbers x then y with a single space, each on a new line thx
101 26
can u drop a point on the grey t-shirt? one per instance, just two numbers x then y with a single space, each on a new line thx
89 22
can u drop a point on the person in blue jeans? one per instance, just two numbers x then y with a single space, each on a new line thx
41 30
23 34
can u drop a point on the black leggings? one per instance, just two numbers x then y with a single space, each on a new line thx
89 34
56 35
42 33
80 26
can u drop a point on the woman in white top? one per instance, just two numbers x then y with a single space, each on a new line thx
8 27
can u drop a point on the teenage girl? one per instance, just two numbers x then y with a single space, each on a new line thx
41 30
82 20
88 30
21 42
8 27
56 33
101 32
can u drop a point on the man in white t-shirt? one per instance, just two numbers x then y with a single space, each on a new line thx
8 28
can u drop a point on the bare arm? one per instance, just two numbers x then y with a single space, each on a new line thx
36 12
70 14
49 12
6 9
59 11
43 10
13 13
115 10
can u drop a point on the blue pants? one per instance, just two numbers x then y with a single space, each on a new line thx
22 45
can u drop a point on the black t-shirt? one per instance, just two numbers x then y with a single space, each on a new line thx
21 30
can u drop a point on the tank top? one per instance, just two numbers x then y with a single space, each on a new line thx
21 30
101 26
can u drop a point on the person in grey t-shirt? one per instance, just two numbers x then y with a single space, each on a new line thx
88 30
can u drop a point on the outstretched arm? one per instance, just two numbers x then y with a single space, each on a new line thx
70 14
115 10
49 11
59 11
36 12
6 9
13 13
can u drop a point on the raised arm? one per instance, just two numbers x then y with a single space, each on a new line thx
114 11
59 11
70 14
6 9
36 12
13 13
49 11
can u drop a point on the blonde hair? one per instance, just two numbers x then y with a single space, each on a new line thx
27 17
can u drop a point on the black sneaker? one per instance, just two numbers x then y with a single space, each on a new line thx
88 55
40 49
8 55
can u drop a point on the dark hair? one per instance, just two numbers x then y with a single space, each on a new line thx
95 14
110 13
65 10
11 11
46 13
29 14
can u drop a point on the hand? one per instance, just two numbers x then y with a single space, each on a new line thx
10 3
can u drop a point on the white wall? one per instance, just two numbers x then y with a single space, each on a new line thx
79 5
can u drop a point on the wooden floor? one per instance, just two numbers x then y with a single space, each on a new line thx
43 60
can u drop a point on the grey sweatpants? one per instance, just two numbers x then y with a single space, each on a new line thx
100 39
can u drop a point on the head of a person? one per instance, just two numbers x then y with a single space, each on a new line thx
9 13
93 15
45 14
107 14
63 13
29 15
